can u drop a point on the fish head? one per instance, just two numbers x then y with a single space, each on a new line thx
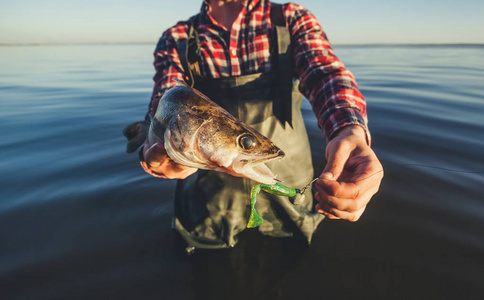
254 151
238 149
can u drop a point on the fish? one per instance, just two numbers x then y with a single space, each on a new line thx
199 133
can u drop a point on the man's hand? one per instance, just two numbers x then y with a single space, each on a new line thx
158 164
351 177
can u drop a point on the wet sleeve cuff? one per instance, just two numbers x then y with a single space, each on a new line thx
338 117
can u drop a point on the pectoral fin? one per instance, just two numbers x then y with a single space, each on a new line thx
136 134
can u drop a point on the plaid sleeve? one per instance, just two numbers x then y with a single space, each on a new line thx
324 80
167 64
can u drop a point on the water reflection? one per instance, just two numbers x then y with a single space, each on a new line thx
79 219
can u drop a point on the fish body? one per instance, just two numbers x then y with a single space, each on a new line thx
198 133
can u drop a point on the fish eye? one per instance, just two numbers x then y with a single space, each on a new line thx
247 142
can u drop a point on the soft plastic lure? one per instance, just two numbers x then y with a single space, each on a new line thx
276 189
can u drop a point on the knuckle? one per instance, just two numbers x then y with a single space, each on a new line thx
170 176
354 218
351 207
326 188
335 165
327 208
332 202
357 194
335 212
331 190
317 197
337 192
377 188
186 173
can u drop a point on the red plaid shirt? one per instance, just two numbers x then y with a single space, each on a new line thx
330 88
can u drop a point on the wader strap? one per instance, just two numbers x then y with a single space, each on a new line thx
190 57
283 65
189 52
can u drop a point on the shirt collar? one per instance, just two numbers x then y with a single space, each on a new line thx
244 2
248 4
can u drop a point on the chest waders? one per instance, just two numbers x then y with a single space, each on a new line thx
211 208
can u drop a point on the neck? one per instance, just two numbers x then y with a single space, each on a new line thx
225 11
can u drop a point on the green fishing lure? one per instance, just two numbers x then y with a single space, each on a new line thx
276 189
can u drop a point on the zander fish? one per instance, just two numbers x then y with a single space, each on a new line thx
198 133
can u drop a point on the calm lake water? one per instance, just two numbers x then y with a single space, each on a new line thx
79 219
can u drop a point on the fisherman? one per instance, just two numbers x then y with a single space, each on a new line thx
257 59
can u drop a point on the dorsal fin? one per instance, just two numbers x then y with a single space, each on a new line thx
180 82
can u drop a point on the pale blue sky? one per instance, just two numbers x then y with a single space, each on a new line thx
345 22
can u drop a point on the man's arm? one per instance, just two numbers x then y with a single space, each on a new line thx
353 173
324 80
167 64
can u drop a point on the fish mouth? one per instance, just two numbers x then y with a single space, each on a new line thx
256 169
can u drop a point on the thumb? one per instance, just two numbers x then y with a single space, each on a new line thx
337 157
155 154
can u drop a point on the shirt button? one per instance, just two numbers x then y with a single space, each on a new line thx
234 52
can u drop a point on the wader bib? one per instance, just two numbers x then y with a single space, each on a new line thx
211 208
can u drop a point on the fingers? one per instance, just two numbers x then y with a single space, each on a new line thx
149 171
345 200
357 177
155 154
343 190
331 213
157 163
359 184
345 204
172 170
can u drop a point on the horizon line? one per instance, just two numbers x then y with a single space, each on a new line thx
334 44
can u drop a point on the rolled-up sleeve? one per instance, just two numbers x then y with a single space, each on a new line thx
324 80
167 64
